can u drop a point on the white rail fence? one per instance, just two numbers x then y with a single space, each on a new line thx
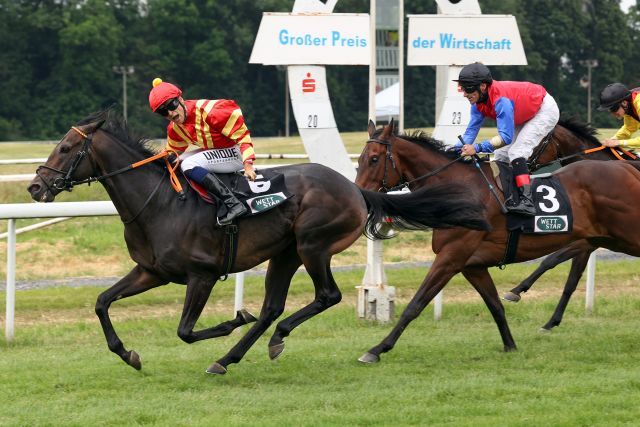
66 210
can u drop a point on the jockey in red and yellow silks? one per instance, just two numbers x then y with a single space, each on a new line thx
623 104
211 124
218 129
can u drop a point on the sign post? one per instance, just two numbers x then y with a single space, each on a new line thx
305 40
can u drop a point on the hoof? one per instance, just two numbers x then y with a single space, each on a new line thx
544 330
276 350
509 349
246 316
511 297
216 369
369 358
133 360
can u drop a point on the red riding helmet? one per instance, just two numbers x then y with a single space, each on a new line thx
161 93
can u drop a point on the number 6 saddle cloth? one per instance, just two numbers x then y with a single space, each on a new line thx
265 193
553 208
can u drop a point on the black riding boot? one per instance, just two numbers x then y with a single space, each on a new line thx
235 207
525 205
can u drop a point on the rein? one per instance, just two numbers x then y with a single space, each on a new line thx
614 151
66 183
402 182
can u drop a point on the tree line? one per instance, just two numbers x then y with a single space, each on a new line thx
57 59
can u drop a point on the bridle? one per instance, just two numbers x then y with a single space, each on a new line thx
388 158
402 183
65 181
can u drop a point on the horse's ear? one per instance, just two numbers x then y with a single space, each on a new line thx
372 128
387 131
394 126
92 127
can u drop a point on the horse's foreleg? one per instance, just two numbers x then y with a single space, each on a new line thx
281 270
578 266
481 280
547 264
327 294
137 281
198 291
439 275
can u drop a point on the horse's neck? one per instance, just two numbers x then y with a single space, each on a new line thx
128 190
419 161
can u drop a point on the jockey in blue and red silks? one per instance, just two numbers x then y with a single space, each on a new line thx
218 129
524 113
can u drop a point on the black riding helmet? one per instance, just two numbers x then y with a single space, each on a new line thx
474 74
613 94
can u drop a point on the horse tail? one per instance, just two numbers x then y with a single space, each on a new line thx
442 206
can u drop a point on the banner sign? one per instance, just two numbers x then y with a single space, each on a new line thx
301 39
463 39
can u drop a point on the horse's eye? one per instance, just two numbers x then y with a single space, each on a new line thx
374 159
65 149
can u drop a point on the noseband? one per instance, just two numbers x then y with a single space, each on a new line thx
65 181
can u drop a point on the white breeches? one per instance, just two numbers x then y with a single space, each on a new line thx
220 160
528 135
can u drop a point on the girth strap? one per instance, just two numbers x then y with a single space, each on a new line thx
511 249
230 249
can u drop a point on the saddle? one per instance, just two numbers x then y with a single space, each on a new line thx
553 208
265 193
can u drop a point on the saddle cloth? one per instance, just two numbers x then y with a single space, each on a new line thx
553 208
266 192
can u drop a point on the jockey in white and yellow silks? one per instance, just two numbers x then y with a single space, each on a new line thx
218 129
623 104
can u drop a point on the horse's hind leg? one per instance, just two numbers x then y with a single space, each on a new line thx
137 281
483 283
547 264
327 295
281 270
578 266
198 291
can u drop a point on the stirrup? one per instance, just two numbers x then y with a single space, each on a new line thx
230 216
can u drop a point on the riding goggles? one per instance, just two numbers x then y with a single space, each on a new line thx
170 105
615 107
470 88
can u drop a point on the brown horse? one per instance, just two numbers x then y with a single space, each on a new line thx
570 141
172 239
603 212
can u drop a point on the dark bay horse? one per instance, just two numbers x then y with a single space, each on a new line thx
570 141
174 240
603 198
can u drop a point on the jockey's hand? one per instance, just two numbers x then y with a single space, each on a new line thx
610 142
468 150
249 172
457 147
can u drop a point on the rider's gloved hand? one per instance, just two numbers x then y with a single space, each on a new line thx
457 147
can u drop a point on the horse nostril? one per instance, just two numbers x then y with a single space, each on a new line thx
33 188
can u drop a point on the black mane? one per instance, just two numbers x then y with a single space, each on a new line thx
118 129
425 140
581 129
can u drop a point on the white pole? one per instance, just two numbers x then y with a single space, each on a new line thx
11 279
372 65
591 283
437 306
237 305
401 64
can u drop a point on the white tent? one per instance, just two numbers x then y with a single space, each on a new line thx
388 103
